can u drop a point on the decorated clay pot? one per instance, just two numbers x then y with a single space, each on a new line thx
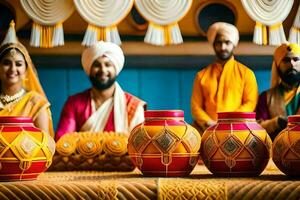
164 145
25 151
236 146
286 147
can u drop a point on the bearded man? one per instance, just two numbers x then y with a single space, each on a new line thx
283 99
105 106
225 85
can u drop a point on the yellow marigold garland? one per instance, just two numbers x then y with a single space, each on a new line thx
89 145
115 146
67 144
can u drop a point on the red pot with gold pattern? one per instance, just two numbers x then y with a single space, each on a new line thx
286 147
25 151
164 145
236 146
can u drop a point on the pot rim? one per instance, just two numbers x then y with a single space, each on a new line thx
164 113
15 119
236 115
294 119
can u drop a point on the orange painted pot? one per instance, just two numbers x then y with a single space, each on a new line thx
236 146
286 147
25 151
164 145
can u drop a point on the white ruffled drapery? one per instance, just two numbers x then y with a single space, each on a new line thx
163 16
269 13
294 36
103 17
48 17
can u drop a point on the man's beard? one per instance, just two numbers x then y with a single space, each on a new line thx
224 56
102 85
291 77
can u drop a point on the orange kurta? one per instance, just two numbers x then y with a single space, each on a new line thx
223 89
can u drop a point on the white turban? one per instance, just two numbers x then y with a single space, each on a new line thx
108 49
226 29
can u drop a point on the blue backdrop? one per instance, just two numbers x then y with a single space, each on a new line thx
152 79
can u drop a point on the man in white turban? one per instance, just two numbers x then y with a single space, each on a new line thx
227 30
225 85
105 106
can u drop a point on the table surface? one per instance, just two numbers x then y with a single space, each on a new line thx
201 184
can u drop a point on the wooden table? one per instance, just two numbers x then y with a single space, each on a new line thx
201 184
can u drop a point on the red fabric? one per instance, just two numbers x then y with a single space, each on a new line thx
78 109
110 126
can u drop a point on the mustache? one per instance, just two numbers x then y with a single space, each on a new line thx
224 51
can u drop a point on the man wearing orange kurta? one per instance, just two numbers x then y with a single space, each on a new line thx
225 85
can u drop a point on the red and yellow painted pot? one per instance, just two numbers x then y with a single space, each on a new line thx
25 151
236 146
286 147
164 145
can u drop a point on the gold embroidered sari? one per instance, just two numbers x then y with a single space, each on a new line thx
34 100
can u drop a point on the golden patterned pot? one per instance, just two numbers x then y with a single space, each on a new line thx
25 151
286 147
164 145
236 146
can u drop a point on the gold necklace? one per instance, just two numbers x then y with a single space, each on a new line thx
6 99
